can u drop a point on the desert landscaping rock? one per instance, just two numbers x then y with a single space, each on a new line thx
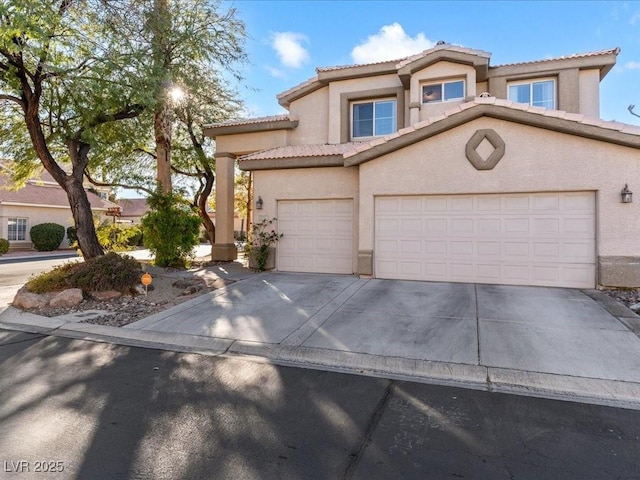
67 298
630 297
27 300
169 288
106 295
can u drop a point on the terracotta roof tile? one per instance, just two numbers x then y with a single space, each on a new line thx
297 151
566 57
133 207
251 121
43 193
572 117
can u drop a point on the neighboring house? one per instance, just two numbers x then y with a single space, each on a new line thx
442 167
132 210
41 200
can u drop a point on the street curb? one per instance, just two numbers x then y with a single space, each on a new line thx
611 393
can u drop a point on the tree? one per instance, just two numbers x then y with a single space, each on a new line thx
66 74
195 58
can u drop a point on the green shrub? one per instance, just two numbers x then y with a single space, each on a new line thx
4 246
72 236
46 236
170 230
53 280
108 272
117 238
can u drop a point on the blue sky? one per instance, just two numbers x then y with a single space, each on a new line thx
289 39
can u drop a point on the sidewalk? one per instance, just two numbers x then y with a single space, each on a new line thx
544 342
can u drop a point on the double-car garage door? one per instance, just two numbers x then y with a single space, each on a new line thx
519 239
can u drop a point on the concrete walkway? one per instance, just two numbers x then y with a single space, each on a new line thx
547 342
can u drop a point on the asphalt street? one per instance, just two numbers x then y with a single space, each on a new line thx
72 409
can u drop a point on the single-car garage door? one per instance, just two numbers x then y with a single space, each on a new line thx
317 236
518 239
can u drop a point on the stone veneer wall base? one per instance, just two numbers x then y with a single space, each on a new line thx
619 271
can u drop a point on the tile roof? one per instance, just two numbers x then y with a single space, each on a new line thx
401 62
251 121
347 150
133 207
609 51
301 151
43 192
572 117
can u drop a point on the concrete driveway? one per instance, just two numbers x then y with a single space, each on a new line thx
533 329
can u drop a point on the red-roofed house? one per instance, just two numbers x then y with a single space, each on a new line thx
442 167
41 200
132 210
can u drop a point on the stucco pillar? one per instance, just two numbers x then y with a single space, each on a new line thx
224 248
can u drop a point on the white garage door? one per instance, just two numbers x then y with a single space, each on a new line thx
318 236
518 239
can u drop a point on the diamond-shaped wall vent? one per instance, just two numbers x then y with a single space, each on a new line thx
491 160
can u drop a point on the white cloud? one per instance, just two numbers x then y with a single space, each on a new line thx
632 66
288 46
635 18
275 72
390 43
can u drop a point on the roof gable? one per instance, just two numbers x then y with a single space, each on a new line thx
352 154
555 120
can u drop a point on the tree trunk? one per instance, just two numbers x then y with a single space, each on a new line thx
202 206
83 218
163 132
71 184
160 25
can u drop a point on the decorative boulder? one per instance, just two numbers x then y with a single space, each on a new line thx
106 295
67 298
27 300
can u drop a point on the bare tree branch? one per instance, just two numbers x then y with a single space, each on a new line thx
120 185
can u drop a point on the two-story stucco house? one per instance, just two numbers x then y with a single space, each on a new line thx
442 167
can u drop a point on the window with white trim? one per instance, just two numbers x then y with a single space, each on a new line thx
539 93
373 118
443 92
17 229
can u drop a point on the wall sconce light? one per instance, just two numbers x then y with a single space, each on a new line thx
259 203
626 194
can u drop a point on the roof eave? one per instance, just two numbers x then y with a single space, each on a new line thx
603 62
291 162
501 113
213 131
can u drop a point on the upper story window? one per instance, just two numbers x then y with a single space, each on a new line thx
17 229
373 118
539 93
443 92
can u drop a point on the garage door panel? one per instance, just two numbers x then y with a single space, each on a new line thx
317 236
488 204
435 247
523 239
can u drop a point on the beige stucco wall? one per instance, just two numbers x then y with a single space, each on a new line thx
536 160
365 85
34 216
441 72
244 143
306 184
312 111
589 93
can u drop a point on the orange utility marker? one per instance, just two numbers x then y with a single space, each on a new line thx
146 281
